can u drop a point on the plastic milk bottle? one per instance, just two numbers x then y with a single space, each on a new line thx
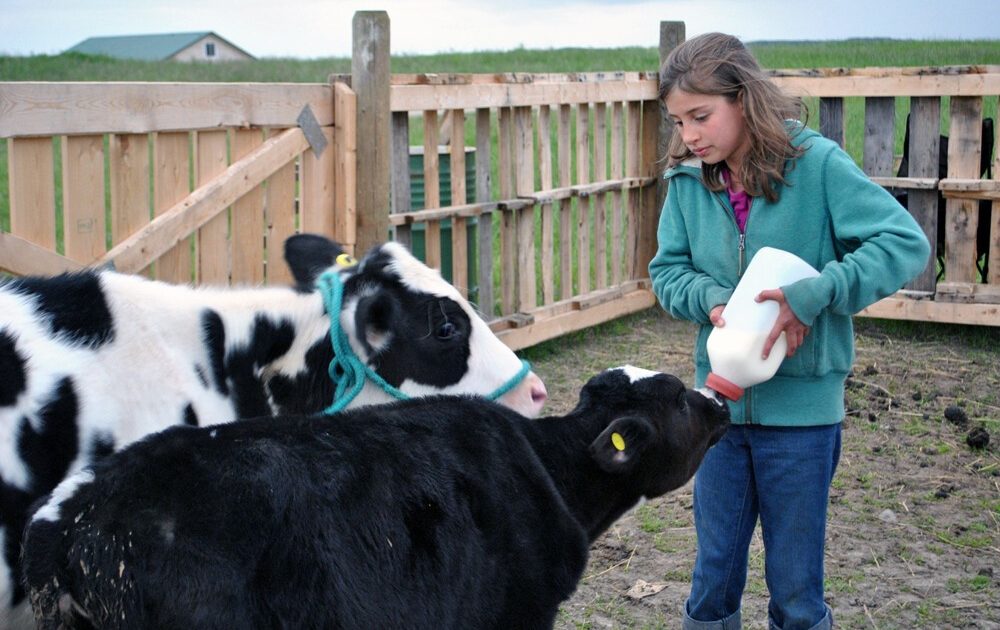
734 350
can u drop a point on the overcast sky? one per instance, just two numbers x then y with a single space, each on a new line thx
322 28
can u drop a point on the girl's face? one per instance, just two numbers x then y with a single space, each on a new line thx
712 127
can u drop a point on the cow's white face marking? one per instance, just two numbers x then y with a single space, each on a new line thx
65 489
636 374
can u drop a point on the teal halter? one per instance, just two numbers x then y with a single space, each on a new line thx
351 382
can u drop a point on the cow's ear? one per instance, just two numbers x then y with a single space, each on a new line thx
309 255
617 449
373 319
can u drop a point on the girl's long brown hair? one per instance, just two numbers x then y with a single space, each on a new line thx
720 65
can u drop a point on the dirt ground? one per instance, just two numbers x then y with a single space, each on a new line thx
914 519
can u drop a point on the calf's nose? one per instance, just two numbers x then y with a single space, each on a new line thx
528 397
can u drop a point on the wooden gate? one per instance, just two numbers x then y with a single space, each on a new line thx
187 182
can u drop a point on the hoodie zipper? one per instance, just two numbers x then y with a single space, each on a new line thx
741 248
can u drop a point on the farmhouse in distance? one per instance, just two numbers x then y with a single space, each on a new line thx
201 46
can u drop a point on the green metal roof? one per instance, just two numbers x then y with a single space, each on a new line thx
144 47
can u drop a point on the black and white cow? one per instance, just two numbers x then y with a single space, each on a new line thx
443 512
92 361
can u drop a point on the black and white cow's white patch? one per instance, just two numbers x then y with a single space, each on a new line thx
92 361
444 512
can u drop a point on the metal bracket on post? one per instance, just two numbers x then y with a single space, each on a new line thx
312 131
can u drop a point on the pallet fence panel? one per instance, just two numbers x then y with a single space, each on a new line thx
617 172
83 197
583 204
459 233
279 220
525 178
401 199
831 119
547 254
32 190
484 193
130 177
880 141
925 125
248 218
962 215
600 200
171 185
213 238
508 227
565 205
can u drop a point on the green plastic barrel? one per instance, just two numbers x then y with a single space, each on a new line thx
417 243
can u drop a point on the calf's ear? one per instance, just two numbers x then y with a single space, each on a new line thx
373 320
617 449
309 255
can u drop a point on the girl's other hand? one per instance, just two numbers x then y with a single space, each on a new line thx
715 316
795 331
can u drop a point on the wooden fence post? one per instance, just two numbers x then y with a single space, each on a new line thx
370 80
654 139
672 34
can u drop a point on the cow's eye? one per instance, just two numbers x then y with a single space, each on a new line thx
447 330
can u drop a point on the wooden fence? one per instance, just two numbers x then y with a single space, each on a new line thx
965 237
547 215
186 182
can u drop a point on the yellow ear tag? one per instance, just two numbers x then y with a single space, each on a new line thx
618 441
346 260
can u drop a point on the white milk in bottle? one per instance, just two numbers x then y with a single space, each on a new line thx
734 350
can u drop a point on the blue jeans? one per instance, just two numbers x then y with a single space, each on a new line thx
782 476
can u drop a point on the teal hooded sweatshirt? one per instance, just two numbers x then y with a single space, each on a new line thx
865 245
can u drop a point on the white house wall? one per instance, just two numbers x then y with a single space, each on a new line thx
223 51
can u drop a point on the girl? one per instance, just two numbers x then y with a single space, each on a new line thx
744 174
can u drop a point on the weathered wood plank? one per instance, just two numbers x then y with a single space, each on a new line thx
617 172
583 205
432 168
508 225
525 169
344 163
565 206
600 241
248 219
484 193
831 119
213 238
279 220
32 191
69 108
925 125
918 85
962 215
423 97
130 177
879 142
319 188
171 168
401 200
547 255
22 257
84 230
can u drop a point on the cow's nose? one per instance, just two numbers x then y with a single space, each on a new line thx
528 397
